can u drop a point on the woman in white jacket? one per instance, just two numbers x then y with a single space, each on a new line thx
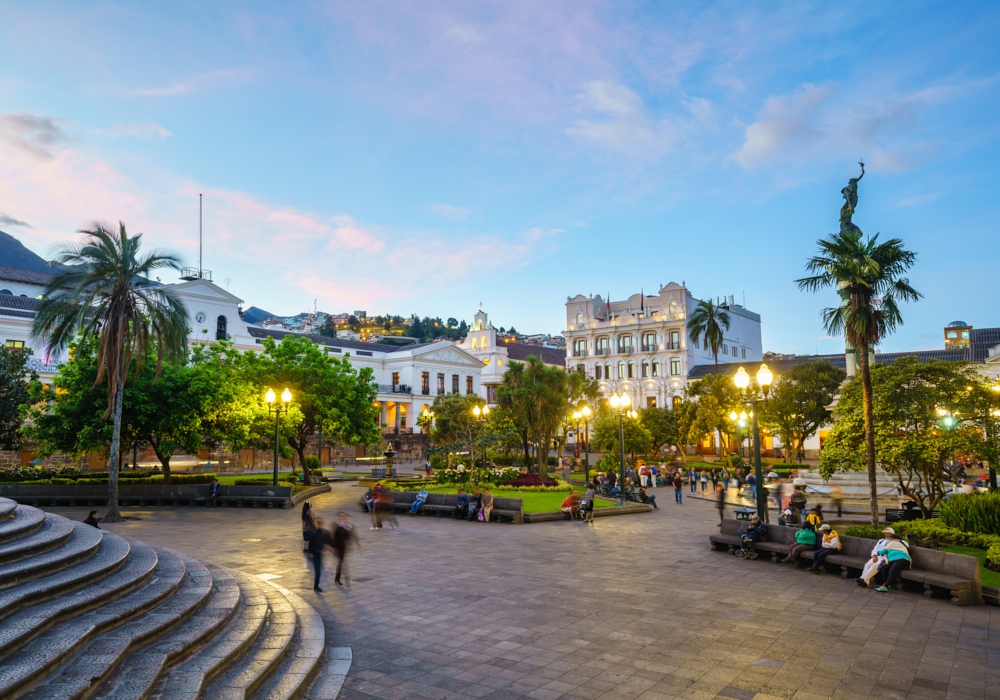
873 564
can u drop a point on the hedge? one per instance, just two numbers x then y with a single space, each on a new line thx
265 481
972 512
155 479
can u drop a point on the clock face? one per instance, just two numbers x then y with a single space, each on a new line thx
200 317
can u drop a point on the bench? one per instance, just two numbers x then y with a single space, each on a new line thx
447 503
146 495
895 515
938 574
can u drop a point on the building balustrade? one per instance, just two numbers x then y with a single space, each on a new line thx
395 389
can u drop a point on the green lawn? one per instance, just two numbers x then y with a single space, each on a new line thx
534 501
990 578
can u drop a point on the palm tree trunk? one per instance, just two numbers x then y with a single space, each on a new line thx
113 515
866 393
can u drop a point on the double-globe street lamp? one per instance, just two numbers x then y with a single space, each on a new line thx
621 405
277 410
750 399
584 415
481 414
741 422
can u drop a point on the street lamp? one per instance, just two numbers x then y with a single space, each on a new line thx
750 399
620 405
584 415
277 410
481 414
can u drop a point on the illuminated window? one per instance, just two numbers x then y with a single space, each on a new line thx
621 370
499 362
656 368
16 344
486 360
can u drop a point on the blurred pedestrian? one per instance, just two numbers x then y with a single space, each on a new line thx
308 525
837 496
720 501
319 540
487 506
678 489
92 519
343 538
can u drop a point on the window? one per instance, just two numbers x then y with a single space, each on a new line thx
580 369
486 360
631 370
220 328
648 342
597 371
475 341
650 402
454 383
607 370
673 307
440 383
16 344
624 344
425 383
395 379
601 346
675 365
725 348
656 368
675 340
7 292
579 318
645 368
468 385
621 370
499 363
735 351
676 402
744 353
696 345
580 348
491 394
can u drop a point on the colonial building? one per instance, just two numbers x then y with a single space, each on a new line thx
482 343
640 345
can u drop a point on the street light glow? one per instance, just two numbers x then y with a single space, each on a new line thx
764 376
269 396
476 411
732 415
286 396
615 401
585 411
742 379
743 415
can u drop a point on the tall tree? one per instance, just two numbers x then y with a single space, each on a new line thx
715 398
709 321
604 435
102 290
663 427
16 382
869 277
536 395
512 400
797 406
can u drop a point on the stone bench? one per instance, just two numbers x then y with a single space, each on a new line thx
447 503
937 573
146 494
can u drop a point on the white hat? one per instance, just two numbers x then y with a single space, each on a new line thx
888 531
788 511
824 527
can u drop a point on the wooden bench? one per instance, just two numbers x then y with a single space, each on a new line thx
937 574
447 504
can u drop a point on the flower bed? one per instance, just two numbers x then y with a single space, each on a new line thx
460 474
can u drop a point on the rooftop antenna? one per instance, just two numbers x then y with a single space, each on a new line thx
228 280
199 237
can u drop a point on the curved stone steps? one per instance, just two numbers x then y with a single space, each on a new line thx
82 544
299 665
110 556
244 674
137 673
334 672
50 535
186 680
23 521
181 587
29 622
7 507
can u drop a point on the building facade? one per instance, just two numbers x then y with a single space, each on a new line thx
640 346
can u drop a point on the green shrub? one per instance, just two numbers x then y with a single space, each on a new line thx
312 462
937 530
265 481
866 531
972 512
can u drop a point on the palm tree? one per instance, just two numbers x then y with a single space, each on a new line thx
711 322
104 292
868 275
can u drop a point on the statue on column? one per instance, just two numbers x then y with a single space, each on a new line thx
850 194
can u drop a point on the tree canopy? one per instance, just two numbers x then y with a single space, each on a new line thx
16 382
797 405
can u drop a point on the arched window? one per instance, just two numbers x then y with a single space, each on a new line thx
621 370
579 318
673 307
631 370
598 372
676 402
6 291
220 328
656 368
645 368
675 365
475 342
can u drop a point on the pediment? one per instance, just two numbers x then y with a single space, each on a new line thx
205 290
452 356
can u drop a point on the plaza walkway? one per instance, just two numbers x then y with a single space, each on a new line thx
633 607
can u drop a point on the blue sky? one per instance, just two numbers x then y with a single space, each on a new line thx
426 156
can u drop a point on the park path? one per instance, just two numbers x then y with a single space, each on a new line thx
632 607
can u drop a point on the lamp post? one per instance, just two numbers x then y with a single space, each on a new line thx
277 410
742 423
620 405
481 415
584 415
751 398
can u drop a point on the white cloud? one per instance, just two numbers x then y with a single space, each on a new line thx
918 200
146 130
32 133
6 220
203 81
450 212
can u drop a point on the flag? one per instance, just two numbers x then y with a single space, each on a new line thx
609 304
642 301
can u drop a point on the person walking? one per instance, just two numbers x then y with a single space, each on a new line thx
308 525
837 496
587 505
715 480
805 539
829 545
704 481
487 506
319 540
693 480
720 501
678 489
752 486
897 554
343 538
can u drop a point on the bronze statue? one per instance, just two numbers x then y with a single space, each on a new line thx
850 194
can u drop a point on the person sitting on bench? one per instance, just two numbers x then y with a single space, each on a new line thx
875 563
462 505
897 553
805 539
756 532
421 499
831 543
646 498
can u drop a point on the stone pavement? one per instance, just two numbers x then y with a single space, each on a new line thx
633 607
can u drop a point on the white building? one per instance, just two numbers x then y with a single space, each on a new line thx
481 343
640 345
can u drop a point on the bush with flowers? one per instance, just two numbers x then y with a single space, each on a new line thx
460 474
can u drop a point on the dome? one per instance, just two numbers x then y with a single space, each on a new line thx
957 324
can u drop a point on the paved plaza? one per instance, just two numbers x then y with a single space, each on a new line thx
633 607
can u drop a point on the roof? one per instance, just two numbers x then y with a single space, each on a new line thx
258 332
18 274
18 307
550 356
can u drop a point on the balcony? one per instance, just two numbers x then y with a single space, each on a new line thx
394 389
649 347
426 391
579 353
193 273
602 351
624 349
672 346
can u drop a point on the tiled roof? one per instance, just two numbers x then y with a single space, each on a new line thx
550 356
17 274
9 301
258 332
15 313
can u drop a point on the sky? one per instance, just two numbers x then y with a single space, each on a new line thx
423 157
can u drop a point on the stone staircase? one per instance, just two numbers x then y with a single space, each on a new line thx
85 613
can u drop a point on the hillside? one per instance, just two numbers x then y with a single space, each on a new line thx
14 254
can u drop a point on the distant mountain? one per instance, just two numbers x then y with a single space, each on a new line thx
255 315
14 254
